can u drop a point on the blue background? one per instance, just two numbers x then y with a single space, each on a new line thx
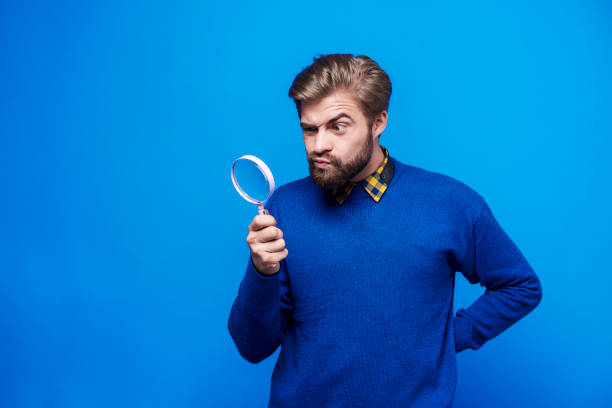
123 239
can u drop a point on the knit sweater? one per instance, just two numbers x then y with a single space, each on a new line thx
362 306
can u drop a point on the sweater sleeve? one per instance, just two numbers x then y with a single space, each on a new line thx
261 310
512 287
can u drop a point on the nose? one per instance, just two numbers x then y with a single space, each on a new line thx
321 143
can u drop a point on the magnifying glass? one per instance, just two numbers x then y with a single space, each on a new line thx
255 177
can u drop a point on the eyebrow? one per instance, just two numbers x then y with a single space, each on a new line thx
335 118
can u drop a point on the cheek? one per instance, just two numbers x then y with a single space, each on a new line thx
349 143
308 145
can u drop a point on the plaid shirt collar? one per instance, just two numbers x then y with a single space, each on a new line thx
375 184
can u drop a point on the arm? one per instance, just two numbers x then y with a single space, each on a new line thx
261 311
512 287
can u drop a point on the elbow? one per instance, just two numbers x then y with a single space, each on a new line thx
535 291
241 343
539 294
249 353
249 347
252 358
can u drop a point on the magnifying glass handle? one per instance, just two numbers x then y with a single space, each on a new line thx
262 210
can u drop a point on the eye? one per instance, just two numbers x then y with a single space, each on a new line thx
340 127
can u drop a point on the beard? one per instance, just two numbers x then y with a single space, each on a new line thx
339 173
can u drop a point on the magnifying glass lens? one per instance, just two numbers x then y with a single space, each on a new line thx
251 180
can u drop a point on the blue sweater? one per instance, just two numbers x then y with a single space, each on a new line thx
363 304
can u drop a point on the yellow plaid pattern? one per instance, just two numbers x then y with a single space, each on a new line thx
375 184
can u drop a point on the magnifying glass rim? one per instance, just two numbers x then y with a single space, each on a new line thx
265 170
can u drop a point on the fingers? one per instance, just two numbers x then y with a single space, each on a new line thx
267 234
266 243
270 258
261 221
274 246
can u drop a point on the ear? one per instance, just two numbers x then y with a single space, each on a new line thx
380 123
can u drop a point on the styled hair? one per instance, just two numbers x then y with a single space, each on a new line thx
360 75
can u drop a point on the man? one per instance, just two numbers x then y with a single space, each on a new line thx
363 306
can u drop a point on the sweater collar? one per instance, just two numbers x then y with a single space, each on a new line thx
375 184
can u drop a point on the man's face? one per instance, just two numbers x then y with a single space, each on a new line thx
336 131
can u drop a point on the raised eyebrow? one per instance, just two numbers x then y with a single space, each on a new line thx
332 120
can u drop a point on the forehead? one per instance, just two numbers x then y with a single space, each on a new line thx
320 111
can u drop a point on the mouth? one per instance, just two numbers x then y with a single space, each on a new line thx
321 164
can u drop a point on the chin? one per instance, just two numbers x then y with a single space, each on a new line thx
326 184
324 178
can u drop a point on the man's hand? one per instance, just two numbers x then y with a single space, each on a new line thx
266 244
